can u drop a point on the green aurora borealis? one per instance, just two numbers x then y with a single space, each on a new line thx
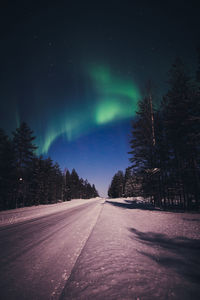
113 99
74 72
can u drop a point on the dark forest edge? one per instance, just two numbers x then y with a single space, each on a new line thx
26 179
165 148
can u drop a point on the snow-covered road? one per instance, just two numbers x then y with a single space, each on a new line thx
22 214
40 248
99 249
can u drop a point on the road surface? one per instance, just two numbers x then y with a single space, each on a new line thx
110 249
38 254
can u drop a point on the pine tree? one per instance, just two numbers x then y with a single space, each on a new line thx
88 190
24 151
162 155
68 192
75 185
94 192
116 187
143 146
195 134
50 190
46 185
129 183
179 116
198 70
143 140
26 179
82 188
7 173
37 193
58 182
23 146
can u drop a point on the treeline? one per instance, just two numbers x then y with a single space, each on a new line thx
125 184
26 179
75 187
165 148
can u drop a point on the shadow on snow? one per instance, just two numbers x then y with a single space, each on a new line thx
133 204
181 254
130 204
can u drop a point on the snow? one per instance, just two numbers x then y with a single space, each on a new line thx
136 253
121 248
14 216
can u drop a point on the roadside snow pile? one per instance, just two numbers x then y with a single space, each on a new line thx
137 199
26 213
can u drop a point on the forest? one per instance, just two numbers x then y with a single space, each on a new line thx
164 145
164 155
26 179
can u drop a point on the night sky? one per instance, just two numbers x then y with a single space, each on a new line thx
74 73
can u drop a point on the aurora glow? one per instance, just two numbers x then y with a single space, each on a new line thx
117 99
113 99
73 74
